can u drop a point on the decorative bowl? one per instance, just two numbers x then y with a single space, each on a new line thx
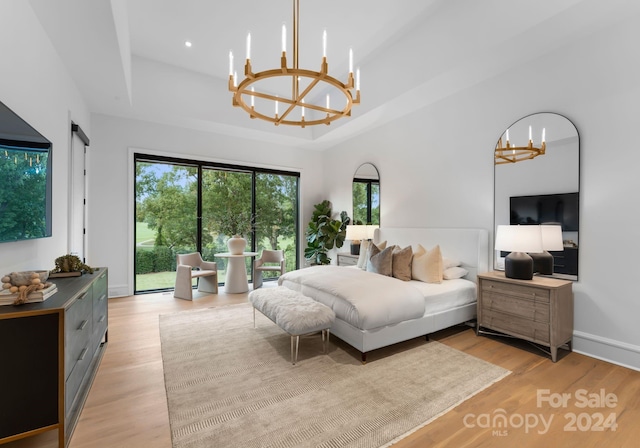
24 278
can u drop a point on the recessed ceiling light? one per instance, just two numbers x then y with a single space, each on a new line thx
187 44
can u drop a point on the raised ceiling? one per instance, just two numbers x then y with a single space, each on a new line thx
128 57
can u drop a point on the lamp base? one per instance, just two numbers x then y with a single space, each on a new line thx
355 248
542 263
518 265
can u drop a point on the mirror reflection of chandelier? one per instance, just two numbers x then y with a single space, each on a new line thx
511 153
291 95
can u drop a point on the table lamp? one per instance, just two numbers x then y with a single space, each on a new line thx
356 233
518 240
551 240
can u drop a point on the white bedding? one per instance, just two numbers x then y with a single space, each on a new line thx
367 300
446 295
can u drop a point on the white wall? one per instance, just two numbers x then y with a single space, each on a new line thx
37 87
436 169
110 170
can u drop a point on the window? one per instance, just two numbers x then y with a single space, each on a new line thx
185 206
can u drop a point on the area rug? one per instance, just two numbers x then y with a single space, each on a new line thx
230 385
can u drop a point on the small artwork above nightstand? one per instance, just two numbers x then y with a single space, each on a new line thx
538 310
347 259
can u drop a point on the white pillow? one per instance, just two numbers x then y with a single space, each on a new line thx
364 249
450 263
454 272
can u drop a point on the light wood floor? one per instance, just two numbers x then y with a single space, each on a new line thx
127 403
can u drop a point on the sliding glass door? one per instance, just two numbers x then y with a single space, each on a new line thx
185 206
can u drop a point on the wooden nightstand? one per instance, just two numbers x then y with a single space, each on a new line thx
346 259
538 310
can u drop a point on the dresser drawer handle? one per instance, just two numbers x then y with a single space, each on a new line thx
101 319
102 276
102 297
83 353
82 297
82 325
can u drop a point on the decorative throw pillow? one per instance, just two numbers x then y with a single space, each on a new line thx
381 262
402 263
454 272
365 254
449 263
364 249
427 265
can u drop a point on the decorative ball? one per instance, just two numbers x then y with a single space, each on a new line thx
36 280
13 289
22 287
6 279
6 285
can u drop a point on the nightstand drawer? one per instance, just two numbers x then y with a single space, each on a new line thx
347 260
518 326
521 291
528 309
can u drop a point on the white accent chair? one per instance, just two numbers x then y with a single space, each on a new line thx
190 266
276 261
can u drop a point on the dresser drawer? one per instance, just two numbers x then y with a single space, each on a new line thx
78 329
77 374
516 326
529 309
520 291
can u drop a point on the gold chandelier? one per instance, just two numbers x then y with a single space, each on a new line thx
305 105
512 154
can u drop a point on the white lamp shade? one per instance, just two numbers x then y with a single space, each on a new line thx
519 238
356 233
551 237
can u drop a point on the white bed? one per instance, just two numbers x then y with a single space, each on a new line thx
368 324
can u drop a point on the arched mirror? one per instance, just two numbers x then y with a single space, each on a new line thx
366 195
537 181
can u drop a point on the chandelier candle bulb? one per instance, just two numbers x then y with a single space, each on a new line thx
230 63
350 60
328 101
358 79
284 38
543 135
248 46
530 138
324 43
253 98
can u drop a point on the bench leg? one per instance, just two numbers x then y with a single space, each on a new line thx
295 341
325 340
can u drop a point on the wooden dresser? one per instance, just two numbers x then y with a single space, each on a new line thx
51 352
538 310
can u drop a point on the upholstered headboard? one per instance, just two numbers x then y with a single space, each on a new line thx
470 246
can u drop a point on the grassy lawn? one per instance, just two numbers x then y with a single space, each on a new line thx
144 234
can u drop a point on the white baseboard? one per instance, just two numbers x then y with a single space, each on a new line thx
118 291
605 349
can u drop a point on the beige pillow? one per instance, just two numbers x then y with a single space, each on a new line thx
402 263
426 265
381 261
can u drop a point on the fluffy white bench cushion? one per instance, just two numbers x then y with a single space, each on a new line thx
295 313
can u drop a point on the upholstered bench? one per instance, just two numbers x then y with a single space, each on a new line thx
294 313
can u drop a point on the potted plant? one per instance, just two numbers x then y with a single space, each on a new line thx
235 225
323 233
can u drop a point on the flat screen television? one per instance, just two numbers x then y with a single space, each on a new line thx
562 208
25 180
